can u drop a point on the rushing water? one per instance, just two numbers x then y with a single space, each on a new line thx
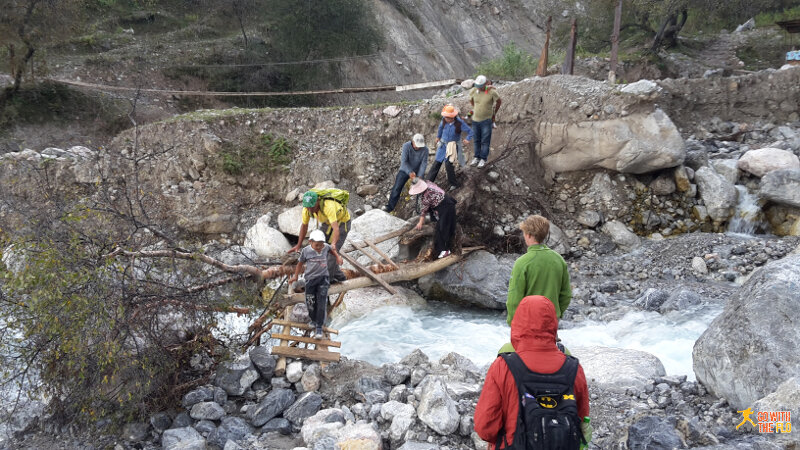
747 218
388 334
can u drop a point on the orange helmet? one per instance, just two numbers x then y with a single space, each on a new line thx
449 111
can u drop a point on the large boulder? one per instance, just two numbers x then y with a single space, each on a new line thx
782 186
436 409
372 224
653 433
270 406
265 240
359 302
621 235
764 160
306 406
290 220
718 194
785 398
236 376
751 348
618 369
482 280
231 428
638 143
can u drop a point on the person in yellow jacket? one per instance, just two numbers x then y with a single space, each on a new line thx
334 220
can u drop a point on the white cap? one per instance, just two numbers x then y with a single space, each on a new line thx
418 140
480 81
317 235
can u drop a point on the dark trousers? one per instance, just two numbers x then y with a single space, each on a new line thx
445 226
451 172
334 271
317 299
399 182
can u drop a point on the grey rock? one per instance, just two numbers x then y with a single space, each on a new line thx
375 396
160 422
270 406
620 234
415 445
718 194
294 371
230 445
749 341
136 432
280 383
417 375
205 427
436 409
482 280
182 420
201 394
727 168
651 299
231 428
396 374
618 370
263 361
415 358
680 300
207 411
653 433
236 376
311 380
278 424
663 185
220 396
367 189
399 393
781 186
699 265
186 438
306 406
391 409
589 219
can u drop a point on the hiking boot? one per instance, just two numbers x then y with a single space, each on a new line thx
481 164
385 209
444 254
319 334
474 162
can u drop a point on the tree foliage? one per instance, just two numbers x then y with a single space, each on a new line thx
102 304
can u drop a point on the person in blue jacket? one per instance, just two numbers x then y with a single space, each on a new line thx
413 161
450 130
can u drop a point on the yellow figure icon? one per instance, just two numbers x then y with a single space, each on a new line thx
746 417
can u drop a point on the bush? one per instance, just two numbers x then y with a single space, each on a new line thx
515 64
262 153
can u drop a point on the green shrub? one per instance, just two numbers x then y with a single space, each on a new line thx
515 64
262 153
768 18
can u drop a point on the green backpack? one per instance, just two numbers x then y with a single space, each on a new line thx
339 195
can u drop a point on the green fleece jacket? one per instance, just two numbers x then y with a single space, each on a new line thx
540 271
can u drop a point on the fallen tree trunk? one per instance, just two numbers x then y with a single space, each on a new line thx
405 273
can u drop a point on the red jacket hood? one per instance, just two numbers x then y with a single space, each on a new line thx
534 325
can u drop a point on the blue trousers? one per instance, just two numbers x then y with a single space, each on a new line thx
482 135
399 182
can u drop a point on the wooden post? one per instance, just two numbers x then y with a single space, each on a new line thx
280 367
612 71
541 70
569 60
382 254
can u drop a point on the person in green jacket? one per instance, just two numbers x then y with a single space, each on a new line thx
540 271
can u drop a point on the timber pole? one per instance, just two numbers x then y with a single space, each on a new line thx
612 71
541 70
569 60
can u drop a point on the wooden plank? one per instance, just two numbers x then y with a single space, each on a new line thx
338 301
407 272
383 255
362 247
280 367
308 340
317 355
367 272
302 326
430 84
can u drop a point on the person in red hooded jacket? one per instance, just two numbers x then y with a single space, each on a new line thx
533 335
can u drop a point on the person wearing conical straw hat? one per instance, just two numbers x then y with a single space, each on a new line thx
442 207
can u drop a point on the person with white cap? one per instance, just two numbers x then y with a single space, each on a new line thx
315 259
413 161
450 130
486 102
443 208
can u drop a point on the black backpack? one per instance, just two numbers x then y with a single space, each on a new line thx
548 412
